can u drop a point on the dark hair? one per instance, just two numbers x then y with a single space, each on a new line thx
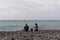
35 23
26 24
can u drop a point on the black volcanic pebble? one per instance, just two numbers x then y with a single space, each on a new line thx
58 39
12 39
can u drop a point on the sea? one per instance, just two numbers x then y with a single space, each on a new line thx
15 25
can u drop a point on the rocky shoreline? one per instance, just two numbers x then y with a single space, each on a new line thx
22 35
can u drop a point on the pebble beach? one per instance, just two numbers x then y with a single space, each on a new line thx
22 35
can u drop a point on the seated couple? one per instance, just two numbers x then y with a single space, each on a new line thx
26 27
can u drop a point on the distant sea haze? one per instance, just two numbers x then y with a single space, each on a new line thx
14 25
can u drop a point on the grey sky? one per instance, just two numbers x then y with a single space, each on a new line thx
29 9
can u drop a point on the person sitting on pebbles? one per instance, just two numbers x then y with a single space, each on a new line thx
31 30
26 27
36 27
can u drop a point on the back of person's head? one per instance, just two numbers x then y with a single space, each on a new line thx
35 23
26 24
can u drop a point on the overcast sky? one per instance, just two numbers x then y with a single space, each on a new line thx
29 9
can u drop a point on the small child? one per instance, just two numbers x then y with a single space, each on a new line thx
31 29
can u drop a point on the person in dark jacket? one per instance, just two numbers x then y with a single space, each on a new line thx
26 27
